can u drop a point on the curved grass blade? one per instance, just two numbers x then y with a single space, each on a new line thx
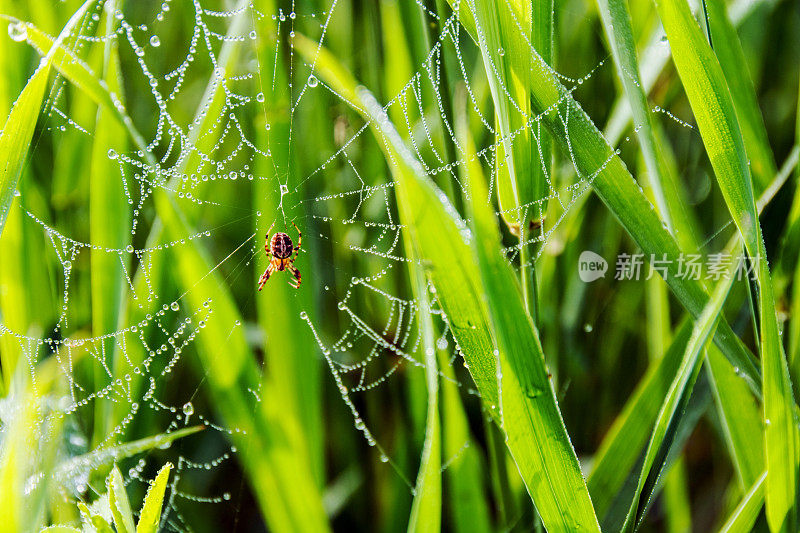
17 134
80 74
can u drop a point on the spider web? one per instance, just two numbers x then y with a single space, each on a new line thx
210 142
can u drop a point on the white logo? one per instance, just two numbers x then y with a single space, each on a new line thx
591 266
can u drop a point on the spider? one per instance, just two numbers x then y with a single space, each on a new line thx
282 256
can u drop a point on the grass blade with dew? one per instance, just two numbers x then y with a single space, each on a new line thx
109 227
738 408
728 49
522 171
426 510
605 172
535 431
714 111
654 58
150 515
619 33
118 501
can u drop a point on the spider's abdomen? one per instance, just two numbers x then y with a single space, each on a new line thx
281 246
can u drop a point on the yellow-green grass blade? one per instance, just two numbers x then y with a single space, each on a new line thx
16 463
595 160
17 134
109 227
744 516
675 400
504 42
535 431
150 515
713 108
231 371
27 296
728 49
426 509
619 33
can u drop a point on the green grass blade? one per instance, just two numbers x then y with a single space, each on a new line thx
17 134
744 516
676 399
535 431
109 227
426 510
150 515
740 418
617 25
712 105
466 487
504 43
731 57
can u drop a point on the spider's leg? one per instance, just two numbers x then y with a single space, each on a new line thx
265 276
299 237
296 281
266 243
